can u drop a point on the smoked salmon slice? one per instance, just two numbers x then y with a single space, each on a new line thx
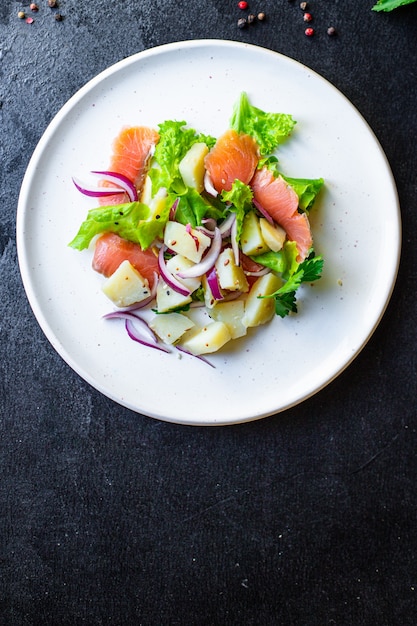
132 149
111 250
233 156
279 199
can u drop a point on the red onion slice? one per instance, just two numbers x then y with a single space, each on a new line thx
208 261
196 356
168 277
136 334
208 185
263 211
226 226
95 193
213 282
173 209
122 181
235 244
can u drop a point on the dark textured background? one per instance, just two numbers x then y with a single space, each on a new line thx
109 517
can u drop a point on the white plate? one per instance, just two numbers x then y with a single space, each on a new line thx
356 226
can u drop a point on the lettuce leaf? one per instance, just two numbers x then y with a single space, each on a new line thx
268 129
133 221
240 199
175 141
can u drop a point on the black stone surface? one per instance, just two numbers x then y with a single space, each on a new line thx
307 518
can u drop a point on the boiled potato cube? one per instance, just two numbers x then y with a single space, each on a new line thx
231 313
170 326
209 338
179 263
260 310
251 240
168 299
231 276
190 243
126 286
273 235
192 166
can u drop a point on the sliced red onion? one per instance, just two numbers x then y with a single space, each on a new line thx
213 283
226 226
208 185
123 182
262 272
147 333
235 244
173 209
95 193
208 261
196 356
136 334
263 211
168 277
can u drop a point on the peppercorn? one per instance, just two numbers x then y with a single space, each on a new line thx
309 32
21 15
331 31
241 22
29 20
251 18
58 17
261 16
52 4
303 5
34 7
243 4
307 17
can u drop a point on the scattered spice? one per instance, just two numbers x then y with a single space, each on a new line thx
251 18
34 7
261 16
29 20
331 31
241 22
309 32
59 17
303 6
243 5
52 3
307 17
21 15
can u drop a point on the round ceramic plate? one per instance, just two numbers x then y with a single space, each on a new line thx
356 227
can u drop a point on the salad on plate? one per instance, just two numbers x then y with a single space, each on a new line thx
200 239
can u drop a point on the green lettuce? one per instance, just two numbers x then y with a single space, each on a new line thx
133 221
390 5
240 198
268 129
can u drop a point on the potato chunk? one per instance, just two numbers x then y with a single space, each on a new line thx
230 275
126 286
190 243
251 240
260 310
192 166
230 313
273 235
170 326
209 338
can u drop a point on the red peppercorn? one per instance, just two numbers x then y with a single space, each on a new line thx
309 32
243 4
307 17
